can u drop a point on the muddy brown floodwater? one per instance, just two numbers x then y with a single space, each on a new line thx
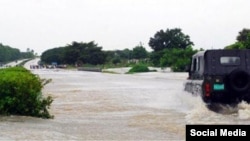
103 106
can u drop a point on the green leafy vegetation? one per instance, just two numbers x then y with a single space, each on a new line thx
243 40
169 39
75 54
20 93
177 59
81 54
8 54
171 48
139 52
139 68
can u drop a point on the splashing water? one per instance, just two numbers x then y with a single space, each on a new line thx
244 111
219 114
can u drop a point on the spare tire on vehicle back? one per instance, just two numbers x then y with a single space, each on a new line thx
239 80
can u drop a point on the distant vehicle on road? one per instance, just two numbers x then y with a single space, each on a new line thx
220 76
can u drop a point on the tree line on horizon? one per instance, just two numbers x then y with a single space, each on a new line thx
8 54
170 48
79 53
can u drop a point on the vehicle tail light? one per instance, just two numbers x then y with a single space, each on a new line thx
207 89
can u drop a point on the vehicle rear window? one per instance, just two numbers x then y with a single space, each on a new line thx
229 60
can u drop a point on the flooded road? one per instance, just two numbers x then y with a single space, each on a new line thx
104 106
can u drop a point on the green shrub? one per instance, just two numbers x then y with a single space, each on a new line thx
20 93
139 68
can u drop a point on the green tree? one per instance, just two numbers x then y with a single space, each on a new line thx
243 40
177 59
91 53
139 52
155 57
53 55
169 39
124 54
8 54
237 45
77 52
243 35
109 55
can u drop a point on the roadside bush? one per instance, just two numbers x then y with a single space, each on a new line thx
20 93
139 68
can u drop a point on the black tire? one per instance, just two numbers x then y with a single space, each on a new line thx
239 80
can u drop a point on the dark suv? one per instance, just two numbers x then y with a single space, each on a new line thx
220 76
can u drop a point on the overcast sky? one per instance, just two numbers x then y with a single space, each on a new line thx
119 24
